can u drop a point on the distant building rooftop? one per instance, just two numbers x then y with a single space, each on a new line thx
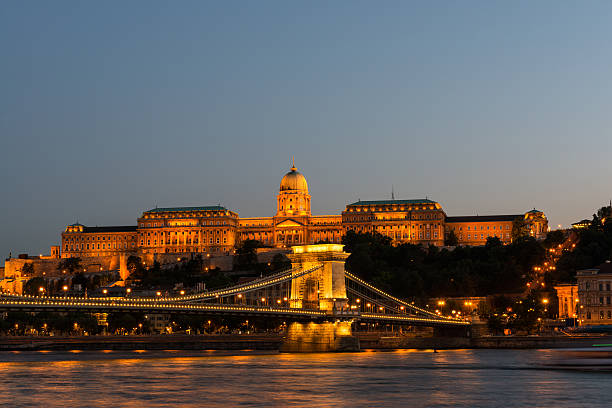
179 209
605 267
483 218
581 224
392 202
118 228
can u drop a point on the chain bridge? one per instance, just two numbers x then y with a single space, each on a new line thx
316 296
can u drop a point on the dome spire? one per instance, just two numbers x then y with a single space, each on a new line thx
293 163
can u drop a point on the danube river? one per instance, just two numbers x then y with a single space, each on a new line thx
471 378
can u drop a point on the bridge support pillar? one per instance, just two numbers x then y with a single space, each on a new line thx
319 337
323 289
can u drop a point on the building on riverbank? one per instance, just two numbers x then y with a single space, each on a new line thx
595 295
567 296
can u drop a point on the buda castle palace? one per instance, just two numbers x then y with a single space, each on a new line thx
216 230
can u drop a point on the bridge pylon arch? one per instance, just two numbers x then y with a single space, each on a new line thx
324 289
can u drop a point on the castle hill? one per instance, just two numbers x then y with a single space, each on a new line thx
389 266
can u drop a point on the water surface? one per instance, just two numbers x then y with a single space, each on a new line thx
473 378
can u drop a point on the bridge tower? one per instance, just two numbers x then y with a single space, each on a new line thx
323 289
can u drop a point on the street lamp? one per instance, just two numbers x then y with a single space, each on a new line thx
41 290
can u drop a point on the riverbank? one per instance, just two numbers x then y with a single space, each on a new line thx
146 342
381 342
272 342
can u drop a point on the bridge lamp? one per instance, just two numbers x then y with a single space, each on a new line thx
182 292
285 298
263 299
105 291
381 308
158 293
129 290
240 296
41 289
545 301
401 307
278 301
65 288
358 300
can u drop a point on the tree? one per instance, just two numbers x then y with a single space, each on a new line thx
32 286
520 229
554 238
280 262
69 265
246 254
451 239
27 269
493 242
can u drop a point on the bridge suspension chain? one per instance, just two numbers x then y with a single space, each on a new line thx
383 294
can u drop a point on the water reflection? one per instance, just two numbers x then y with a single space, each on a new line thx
405 377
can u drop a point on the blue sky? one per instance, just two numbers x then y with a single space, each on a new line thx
108 109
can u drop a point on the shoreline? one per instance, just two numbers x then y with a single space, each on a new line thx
272 342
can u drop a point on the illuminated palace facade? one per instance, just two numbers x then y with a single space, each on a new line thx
216 230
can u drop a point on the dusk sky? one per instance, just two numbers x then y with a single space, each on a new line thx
108 109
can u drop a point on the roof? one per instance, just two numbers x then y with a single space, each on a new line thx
605 267
391 202
534 211
117 228
178 209
483 218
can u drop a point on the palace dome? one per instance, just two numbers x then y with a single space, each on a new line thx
294 180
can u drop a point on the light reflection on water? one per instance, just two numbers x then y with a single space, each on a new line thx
401 378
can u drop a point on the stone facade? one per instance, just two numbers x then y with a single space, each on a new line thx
595 295
215 230
567 295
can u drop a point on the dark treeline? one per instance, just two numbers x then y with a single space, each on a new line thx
412 271
593 247
188 272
